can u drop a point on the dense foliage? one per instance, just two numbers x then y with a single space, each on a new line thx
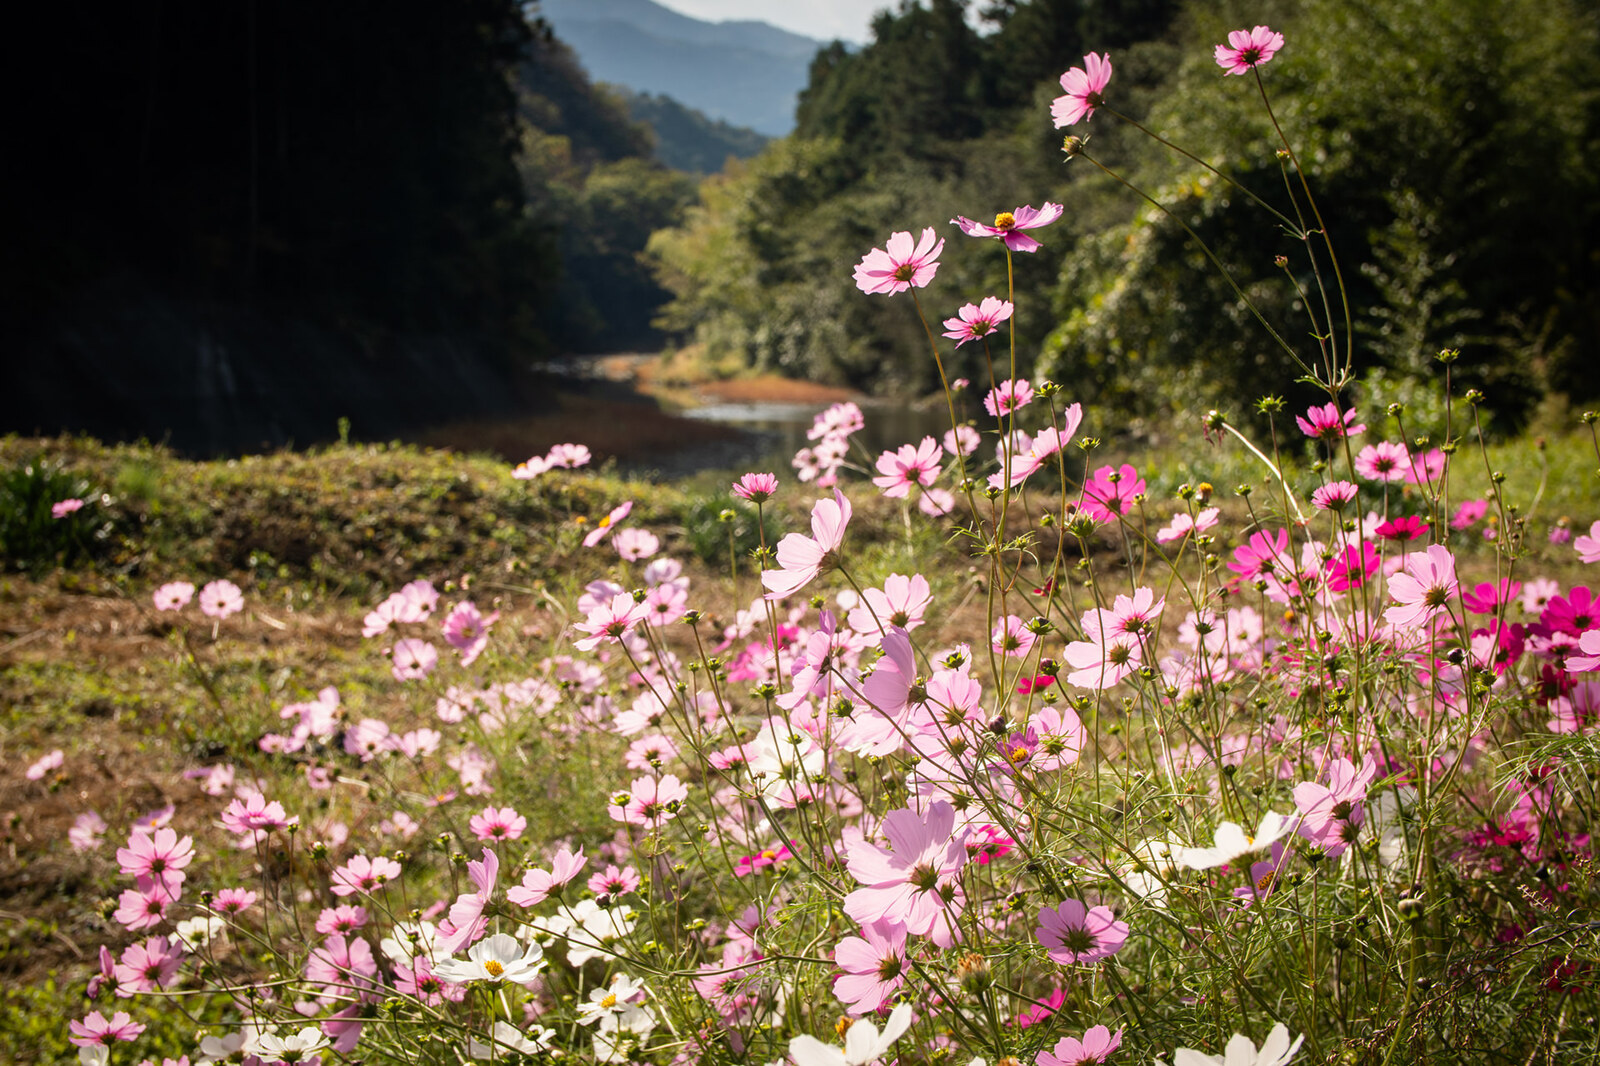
1451 237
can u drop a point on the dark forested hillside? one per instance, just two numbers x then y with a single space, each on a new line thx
1452 146
373 178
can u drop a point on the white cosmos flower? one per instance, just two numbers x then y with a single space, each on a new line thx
196 933
296 1047
862 1042
1275 1051
614 1008
1232 842
507 1036
496 958
401 948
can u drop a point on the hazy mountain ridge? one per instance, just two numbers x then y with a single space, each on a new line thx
745 73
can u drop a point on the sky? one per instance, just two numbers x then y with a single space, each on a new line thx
823 19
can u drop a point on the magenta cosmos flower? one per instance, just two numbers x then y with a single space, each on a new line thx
1328 423
899 265
1083 86
977 320
1008 225
1073 933
1248 48
757 488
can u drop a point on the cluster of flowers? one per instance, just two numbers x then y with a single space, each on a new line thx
812 809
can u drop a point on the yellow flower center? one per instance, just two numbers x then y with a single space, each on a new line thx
769 854
1005 220
610 1001
493 968
842 1026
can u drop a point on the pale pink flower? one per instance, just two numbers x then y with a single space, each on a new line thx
1334 495
539 885
1083 86
916 882
1384 461
159 855
530 468
1247 49
837 420
1008 226
233 900
466 629
1073 934
757 488
898 266
874 965
62 508
568 456
414 658
221 598
964 439
978 320
612 882
173 596
901 602
1096 1045
498 823
466 922
362 874
1424 588
635 544
936 502
1427 468
1183 523
1007 398
609 621
98 1030
148 967
608 525
912 464
648 801
44 764
145 907
1588 545
87 832
802 558
251 812
1010 637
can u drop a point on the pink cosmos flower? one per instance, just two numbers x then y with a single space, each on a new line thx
87 831
1332 813
911 465
173 596
1098 1043
1008 226
612 882
802 558
466 629
44 764
539 885
897 266
1469 514
1406 527
1183 523
148 967
144 907
232 901
1559 535
362 874
98 1030
1426 469
221 598
964 439
1587 545
648 801
466 921
901 602
837 420
1328 423
1083 86
608 525
764 859
569 456
414 658
977 320
1384 461
874 966
1424 588
1487 598
159 855
1073 934
634 544
1010 637
1247 49
1111 492
498 823
936 502
1008 397
1334 495
757 488
1351 567
609 621
62 508
1263 555
916 882
253 813
530 468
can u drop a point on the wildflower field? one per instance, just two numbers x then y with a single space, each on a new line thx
994 747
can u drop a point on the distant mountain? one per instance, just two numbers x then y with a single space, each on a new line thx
745 73
690 140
